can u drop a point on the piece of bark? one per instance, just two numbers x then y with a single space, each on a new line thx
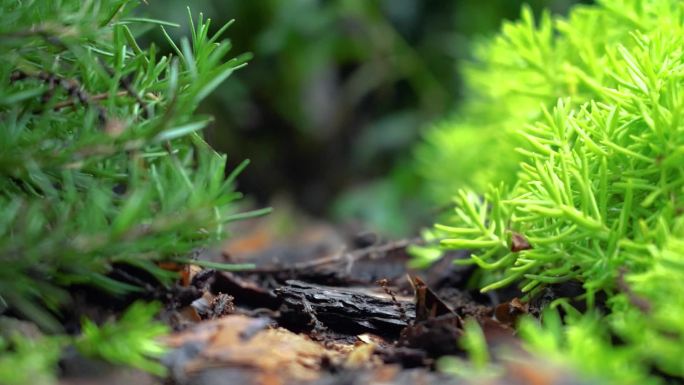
349 311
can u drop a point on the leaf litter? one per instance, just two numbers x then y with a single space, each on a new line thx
313 312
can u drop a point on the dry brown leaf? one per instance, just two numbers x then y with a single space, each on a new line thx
242 342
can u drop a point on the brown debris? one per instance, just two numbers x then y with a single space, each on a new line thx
344 310
269 354
311 313
318 254
635 299
221 305
519 243
436 336
509 312
428 304
212 306
390 375
497 333
245 291
384 283
436 328
188 274
362 356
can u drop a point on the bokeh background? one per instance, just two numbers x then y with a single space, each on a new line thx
337 96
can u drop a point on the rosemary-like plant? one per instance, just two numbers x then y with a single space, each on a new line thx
101 160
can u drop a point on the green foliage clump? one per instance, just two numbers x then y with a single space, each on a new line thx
592 105
470 154
29 361
102 171
583 342
478 364
124 341
101 160
132 340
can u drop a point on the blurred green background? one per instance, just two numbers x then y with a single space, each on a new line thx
338 94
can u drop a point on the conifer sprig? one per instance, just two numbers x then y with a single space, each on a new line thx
101 159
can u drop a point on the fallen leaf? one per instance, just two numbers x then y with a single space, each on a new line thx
243 343
509 312
428 304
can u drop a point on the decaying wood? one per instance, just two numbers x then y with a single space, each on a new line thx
344 310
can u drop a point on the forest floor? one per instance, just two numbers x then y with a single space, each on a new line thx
323 308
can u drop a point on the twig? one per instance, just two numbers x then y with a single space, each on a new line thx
126 84
123 82
71 103
71 86
347 256
384 283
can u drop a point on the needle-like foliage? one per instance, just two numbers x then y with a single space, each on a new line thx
31 361
593 105
124 341
101 159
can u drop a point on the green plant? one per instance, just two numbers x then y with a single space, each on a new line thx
593 102
100 157
474 344
132 340
124 341
583 342
29 361
102 167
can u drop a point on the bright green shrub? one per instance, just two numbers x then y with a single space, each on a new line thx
468 155
595 102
